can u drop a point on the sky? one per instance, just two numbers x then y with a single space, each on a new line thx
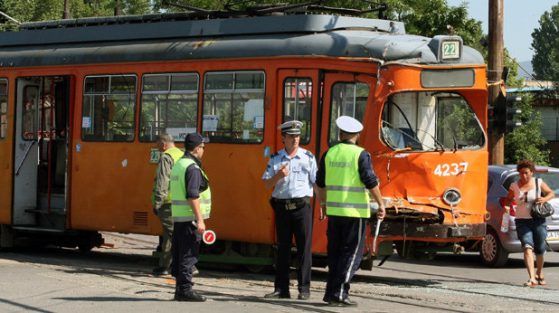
521 18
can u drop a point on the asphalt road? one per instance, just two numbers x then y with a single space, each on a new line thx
118 279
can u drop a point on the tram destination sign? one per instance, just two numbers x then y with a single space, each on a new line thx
450 49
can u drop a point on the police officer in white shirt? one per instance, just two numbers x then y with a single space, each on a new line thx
292 173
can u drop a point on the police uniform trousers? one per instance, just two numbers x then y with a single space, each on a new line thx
166 219
293 222
346 240
186 247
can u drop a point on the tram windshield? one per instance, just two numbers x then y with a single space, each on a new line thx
430 121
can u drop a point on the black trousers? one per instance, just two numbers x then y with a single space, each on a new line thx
346 240
296 222
185 248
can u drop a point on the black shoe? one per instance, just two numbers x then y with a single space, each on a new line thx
160 271
344 302
304 296
190 296
326 299
278 295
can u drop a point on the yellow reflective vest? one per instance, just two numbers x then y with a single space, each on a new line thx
180 208
175 154
346 195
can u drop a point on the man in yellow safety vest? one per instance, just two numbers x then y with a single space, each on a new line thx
345 177
191 205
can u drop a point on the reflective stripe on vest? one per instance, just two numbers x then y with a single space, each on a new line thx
180 208
346 195
175 154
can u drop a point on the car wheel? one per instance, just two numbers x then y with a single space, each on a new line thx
491 250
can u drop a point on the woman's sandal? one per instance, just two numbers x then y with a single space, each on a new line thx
531 283
540 280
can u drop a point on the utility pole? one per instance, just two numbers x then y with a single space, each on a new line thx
66 14
494 76
118 9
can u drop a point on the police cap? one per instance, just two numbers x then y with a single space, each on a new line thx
291 127
193 140
348 124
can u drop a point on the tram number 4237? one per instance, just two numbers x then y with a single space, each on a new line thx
451 169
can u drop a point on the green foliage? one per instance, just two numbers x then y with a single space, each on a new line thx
434 17
41 10
546 46
526 142
513 80
458 124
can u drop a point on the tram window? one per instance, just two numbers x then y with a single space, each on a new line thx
169 104
30 124
430 121
109 103
3 107
347 99
234 107
297 97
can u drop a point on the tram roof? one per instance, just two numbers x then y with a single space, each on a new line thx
169 37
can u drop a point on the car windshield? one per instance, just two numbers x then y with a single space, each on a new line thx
430 121
550 178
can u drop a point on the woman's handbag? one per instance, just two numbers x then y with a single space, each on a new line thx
541 210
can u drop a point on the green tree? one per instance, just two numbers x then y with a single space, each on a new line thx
527 141
42 10
422 17
435 17
546 46
513 80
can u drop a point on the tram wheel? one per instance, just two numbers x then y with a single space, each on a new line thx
85 247
6 237
410 249
88 240
403 248
258 251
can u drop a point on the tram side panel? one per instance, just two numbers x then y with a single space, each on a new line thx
240 208
111 177
6 153
111 188
112 181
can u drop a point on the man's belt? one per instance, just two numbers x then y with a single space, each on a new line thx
291 204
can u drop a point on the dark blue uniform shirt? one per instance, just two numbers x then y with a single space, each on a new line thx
195 181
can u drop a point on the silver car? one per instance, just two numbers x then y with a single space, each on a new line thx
495 249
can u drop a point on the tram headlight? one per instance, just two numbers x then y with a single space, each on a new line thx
452 196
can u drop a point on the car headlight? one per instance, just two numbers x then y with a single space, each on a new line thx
452 196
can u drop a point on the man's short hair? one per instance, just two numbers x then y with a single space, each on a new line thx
165 138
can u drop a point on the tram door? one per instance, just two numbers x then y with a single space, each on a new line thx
40 162
301 92
344 94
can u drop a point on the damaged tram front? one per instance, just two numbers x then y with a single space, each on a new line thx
430 154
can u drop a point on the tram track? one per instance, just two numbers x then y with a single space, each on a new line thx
126 268
392 277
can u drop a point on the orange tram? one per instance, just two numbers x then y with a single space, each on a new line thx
82 101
